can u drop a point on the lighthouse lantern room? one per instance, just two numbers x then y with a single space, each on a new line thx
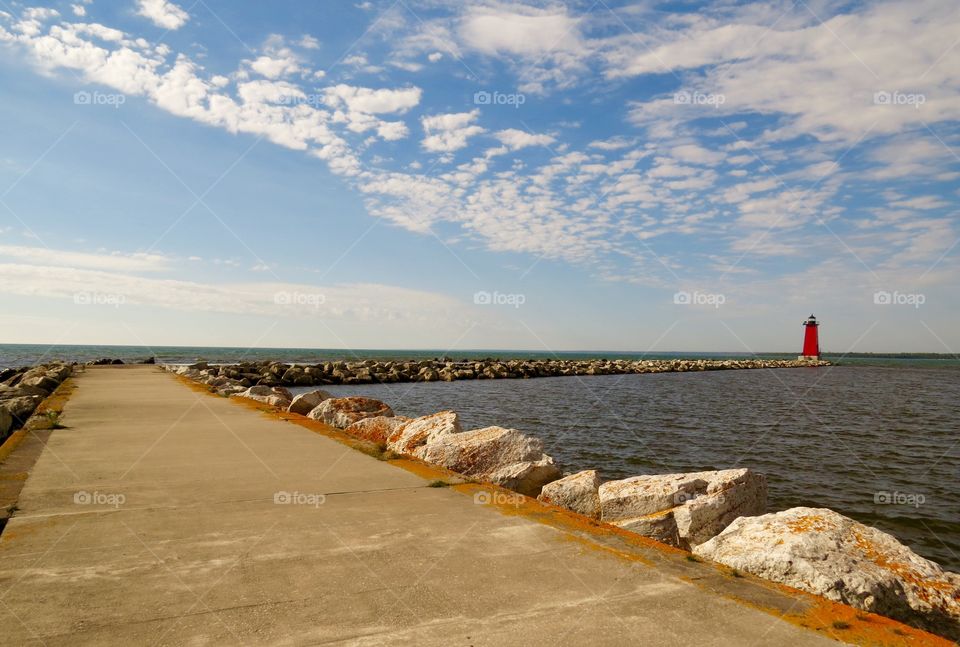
811 341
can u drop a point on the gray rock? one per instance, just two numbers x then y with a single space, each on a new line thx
578 492
823 552
502 456
307 402
343 412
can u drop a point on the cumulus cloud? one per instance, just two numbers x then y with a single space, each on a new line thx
447 133
163 13
516 139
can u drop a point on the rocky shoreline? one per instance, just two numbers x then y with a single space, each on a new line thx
23 389
248 374
718 515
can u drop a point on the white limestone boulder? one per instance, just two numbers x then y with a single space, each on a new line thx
377 429
578 492
343 412
683 509
823 552
304 403
412 437
275 396
501 456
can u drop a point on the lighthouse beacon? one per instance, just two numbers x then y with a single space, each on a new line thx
811 341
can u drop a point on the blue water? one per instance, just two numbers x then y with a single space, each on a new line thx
879 444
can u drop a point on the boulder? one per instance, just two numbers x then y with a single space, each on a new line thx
822 552
578 492
343 412
274 396
6 422
412 438
21 390
21 408
502 456
377 429
307 402
683 510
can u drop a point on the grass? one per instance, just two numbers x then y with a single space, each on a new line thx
380 452
840 624
53 419
438 484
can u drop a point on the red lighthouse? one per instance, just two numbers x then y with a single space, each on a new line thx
811 341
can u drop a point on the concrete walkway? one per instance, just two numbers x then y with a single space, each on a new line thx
152 520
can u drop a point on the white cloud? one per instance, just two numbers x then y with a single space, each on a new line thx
530 34
358 302
695 154
138 262
516 139
309 42
274 68
163 13
447 133
369 101
78 10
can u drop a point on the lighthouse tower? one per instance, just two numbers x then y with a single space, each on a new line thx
811 341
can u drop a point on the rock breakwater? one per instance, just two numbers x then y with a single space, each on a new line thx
247 374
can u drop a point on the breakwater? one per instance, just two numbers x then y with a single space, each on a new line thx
370 371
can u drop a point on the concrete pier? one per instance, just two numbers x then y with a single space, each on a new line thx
163 515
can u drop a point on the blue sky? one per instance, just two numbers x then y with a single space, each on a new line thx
546 176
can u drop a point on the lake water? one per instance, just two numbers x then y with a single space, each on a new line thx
877 444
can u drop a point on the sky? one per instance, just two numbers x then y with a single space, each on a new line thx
633 176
